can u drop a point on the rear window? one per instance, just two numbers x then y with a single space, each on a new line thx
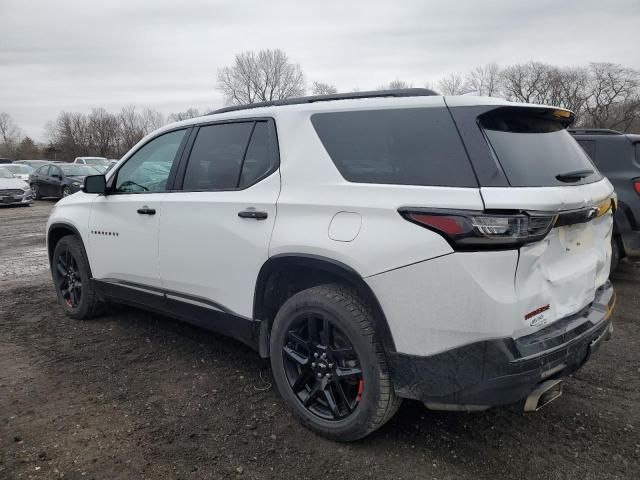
417 146
536 151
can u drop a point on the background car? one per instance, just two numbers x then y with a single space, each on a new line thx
617 156
33 163
21 171
100 163
59 180
13 191
5 160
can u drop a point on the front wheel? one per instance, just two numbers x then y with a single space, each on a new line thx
36 191
72 279
329 365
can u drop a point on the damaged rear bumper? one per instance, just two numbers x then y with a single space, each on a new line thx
506 370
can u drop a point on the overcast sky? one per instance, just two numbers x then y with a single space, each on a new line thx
78 54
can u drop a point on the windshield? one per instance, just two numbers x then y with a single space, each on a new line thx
535 150
96 161
78 170
18 169
4 173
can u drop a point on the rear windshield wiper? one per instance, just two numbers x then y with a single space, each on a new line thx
574 176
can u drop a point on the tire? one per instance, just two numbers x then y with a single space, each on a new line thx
615 254
66 191
36 191
79 303
342 312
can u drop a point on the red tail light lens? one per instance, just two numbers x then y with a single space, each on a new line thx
477 230
636 185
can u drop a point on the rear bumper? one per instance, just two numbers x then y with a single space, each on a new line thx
506 370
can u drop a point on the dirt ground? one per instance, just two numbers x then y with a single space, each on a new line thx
133 395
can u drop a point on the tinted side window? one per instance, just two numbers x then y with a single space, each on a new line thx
261 157
148 169
417 146
216 156
43 171
589 146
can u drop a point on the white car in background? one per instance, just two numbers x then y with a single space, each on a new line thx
13 191
100 163
19 171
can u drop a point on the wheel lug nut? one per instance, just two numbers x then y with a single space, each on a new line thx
313 364
315 354
328 375
319 375
331 365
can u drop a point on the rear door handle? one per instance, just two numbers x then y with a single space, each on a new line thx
253 214
146 211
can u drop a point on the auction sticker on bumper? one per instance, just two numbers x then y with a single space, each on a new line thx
537 317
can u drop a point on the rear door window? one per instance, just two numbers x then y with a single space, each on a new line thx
216 156
231 155
535 150
413 146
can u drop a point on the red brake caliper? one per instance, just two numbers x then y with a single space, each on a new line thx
360 388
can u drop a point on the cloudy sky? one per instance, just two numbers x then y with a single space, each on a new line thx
78 54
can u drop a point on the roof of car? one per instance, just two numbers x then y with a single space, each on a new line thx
411 97
593 133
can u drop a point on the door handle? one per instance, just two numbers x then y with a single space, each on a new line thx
146 211
253 214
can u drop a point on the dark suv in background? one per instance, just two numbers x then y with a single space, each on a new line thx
617 156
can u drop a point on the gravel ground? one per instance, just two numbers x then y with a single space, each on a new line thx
136 395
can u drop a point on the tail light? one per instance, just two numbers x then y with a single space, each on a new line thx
468 230
636 185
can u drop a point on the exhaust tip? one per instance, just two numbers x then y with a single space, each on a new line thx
543 395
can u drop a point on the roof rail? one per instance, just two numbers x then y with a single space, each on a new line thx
595 131
403 92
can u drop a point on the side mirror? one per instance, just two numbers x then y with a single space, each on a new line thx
95 184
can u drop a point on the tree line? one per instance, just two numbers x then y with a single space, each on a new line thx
602 95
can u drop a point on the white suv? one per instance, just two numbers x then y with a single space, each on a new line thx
375 246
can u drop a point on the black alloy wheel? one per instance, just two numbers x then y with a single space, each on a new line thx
69 279
322 367
66 191
72 278
35 191
329 364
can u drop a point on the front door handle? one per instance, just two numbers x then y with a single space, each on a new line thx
253 214
146 211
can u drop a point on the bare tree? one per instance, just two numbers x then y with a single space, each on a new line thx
187 114
9 135
321 88
453 84
613 96
103 132
527 82
259 77
483 80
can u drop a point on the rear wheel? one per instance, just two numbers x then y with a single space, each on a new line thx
66 191
328 364
71 276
